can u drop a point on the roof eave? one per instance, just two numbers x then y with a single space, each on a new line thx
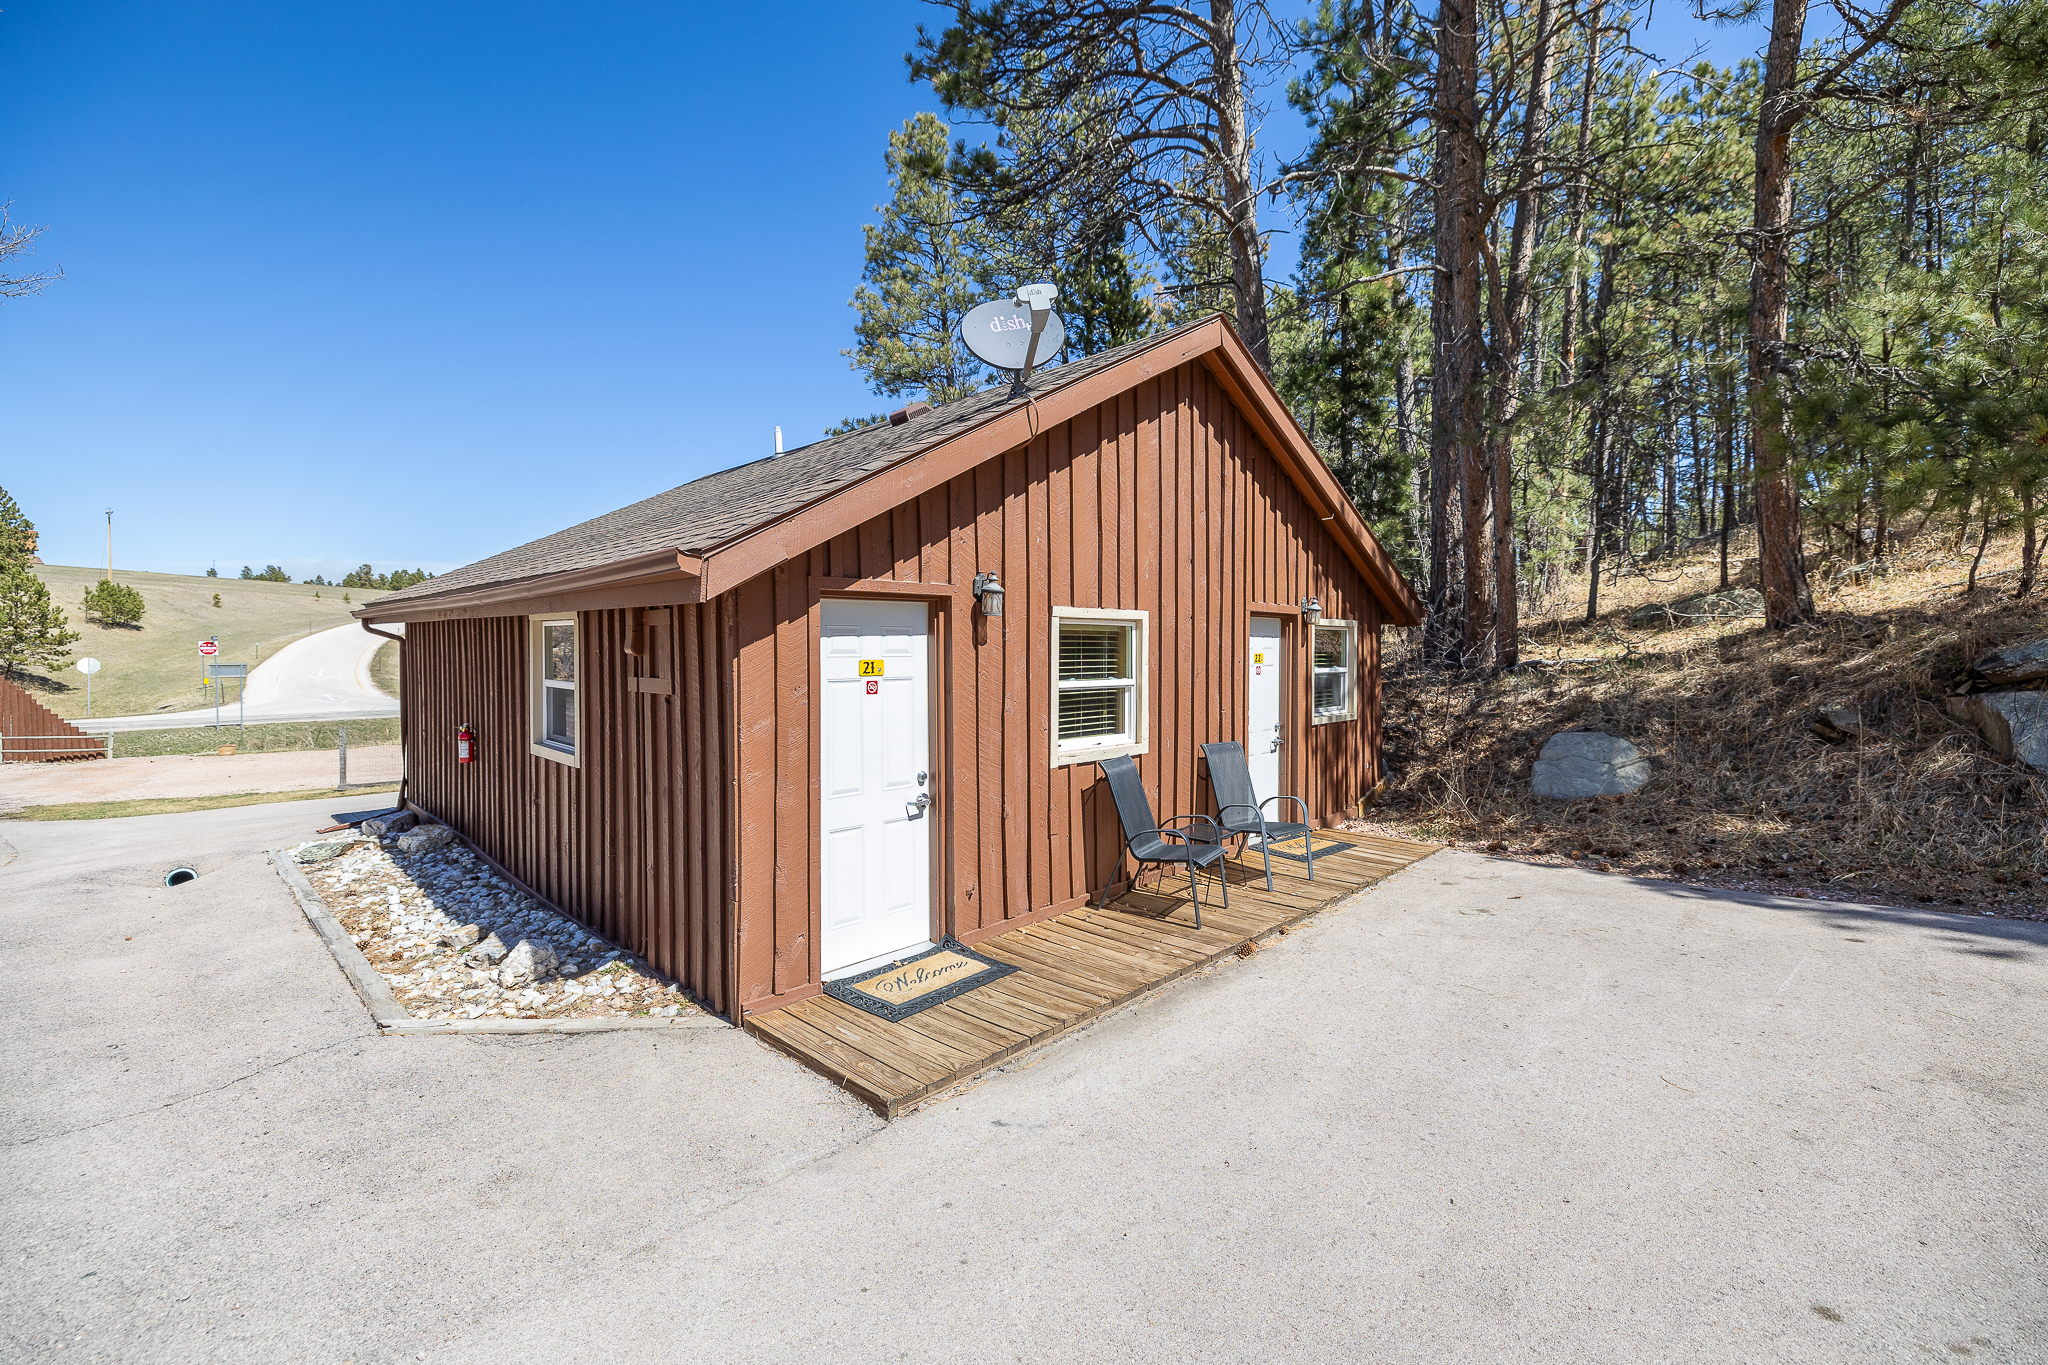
654 567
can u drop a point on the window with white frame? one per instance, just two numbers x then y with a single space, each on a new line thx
1099 688
1335 669
554 687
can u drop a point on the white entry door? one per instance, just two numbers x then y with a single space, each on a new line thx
876 798
1264 731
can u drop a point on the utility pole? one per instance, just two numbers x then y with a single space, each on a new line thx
110 544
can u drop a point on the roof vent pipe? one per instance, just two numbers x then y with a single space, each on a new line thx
778 440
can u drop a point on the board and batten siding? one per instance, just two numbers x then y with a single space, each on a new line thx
634 842
688 833
1162 499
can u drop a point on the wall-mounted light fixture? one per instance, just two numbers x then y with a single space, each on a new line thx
988 592
1311 608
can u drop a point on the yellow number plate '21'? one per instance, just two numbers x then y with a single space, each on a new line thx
871 668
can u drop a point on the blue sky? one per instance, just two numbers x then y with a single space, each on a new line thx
415 283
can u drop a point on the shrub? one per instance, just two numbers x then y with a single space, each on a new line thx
113 604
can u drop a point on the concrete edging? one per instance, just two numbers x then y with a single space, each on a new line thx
390 1017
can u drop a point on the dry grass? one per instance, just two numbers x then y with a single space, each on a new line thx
1916 809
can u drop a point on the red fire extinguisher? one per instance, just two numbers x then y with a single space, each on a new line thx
465 744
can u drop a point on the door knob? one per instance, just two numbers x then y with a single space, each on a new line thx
917 808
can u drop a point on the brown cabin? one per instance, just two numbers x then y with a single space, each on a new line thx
770 724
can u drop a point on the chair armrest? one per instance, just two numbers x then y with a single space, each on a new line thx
1295 799
1215 830
1182 835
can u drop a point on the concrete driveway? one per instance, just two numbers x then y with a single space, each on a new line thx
1483 1112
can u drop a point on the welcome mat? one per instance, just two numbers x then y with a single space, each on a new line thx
1291 848
933 977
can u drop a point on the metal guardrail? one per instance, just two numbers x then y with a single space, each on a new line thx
46 748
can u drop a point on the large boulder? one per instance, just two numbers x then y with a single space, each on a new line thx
528 964
2014 724
425 839
2014 664
1578 765
1707 606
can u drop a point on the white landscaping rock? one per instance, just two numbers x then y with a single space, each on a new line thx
1578 765
489 953
528 963
389 824
425 839
459 936
2015 724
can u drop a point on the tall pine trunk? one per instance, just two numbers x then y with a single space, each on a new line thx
1240 195
1457 428
1511 323
1787 598
1575 206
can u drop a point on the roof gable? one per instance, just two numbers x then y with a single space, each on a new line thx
727 526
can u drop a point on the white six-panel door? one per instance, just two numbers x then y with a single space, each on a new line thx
876 794
1263 732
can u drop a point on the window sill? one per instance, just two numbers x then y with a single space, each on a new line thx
1333 720
554 755
1067 758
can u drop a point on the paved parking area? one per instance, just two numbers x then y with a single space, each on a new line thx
1483 1112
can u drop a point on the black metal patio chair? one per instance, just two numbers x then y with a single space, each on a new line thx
1148 841
1239 810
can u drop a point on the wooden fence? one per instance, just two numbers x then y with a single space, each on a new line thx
31 732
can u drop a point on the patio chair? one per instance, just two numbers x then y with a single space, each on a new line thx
1148 841
1239 810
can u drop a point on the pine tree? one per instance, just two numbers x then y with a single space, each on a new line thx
17 533
33 631
113 604
926 267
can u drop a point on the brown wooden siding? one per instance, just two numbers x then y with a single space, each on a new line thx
634 842
1161 499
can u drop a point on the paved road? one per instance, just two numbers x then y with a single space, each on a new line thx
325 676
136 779
1483 1112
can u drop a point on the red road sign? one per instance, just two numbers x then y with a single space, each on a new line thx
208 648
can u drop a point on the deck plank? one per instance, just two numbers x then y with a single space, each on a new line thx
1069 970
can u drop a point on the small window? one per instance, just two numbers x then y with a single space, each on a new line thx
554 688
1335 671
1099 691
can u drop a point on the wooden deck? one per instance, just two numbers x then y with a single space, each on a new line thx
1070 969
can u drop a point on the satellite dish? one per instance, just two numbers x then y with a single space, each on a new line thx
1000 334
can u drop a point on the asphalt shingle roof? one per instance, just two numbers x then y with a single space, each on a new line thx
702 515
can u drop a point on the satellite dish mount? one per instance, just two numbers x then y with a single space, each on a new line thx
1039 298
1015 333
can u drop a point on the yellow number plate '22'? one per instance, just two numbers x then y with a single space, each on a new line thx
871 668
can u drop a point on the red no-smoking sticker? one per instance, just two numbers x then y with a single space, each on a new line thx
873 687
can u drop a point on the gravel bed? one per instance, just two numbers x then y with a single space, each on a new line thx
456 941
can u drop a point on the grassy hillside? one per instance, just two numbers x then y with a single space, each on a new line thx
384 669
156 666
1915 809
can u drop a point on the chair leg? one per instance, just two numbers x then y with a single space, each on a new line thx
1308 847
1224 877
1267 852
1195 892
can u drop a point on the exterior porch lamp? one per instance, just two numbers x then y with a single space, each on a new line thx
988 593
1311 608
